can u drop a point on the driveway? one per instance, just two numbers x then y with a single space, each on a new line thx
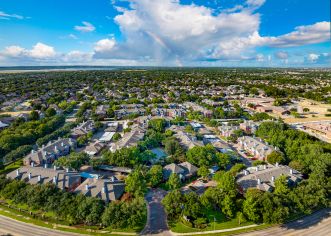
157 218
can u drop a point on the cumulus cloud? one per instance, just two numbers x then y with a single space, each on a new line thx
39 51
302 35
318 59
166 31
6 16
85 27
104 45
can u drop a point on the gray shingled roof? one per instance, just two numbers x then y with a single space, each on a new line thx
64 180
104 189
265 174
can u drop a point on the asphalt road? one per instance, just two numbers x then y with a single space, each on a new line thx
157 218
317 224
10 226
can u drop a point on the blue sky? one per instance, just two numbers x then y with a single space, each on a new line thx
165 32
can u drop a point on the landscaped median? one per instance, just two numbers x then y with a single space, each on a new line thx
223 232
218 223
26 218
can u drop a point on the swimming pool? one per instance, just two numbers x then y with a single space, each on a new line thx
88 175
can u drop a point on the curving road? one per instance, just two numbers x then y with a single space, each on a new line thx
13 227
316 224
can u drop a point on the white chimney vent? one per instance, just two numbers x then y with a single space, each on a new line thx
257 168
104 190
29 176
17 172
39 178
32 164
277 164
54 180
87 187
272 178
245 172
258 181
54 167
45 166
291 171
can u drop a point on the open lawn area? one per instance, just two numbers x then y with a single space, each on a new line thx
217 221
13 166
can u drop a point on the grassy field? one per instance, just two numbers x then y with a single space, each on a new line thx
13 166
240 231
217 222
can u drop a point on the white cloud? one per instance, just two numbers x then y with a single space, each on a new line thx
313 57
302 35
104 45
86 27
13 51
41 51
167 32
6 16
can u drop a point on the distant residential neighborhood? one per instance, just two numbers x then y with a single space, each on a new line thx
202 149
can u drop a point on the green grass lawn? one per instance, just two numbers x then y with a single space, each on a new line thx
13 166
217 221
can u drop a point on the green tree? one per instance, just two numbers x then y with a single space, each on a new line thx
251 205
136 183
203 171
192 205
173 182
34 115
116 137
275 157
202 156
74 160
173 203
155 175
50 112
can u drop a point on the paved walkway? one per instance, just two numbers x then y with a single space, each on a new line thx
156 216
